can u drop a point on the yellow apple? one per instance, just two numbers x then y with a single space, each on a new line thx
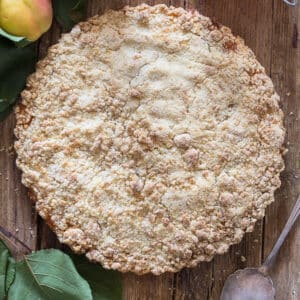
26 18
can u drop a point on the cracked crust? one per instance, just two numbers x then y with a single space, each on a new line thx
151 139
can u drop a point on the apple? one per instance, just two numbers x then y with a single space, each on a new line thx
26 18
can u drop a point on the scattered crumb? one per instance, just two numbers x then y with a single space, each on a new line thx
288 94
17 229
255 241
243 258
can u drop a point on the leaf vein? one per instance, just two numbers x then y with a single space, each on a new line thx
49 263
59 278
52 288
35 278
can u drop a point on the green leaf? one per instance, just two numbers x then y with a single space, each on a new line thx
15 65
19 41
48 275
5 113
11 37
23 43
10 274
4 256
4 105
105 284
69 12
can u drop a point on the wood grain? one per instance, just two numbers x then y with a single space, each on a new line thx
270 28
285 72
16 213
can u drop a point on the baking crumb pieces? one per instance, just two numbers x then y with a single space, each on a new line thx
243 258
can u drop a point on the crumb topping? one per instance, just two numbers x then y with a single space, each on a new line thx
151 139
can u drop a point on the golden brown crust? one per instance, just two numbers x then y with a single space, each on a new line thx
151 138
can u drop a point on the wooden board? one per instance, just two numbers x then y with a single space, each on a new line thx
270 28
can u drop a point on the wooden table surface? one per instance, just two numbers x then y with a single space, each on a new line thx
270 28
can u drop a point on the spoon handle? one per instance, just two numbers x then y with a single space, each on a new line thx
289 224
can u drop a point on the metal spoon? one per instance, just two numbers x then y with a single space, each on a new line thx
254 283
292 3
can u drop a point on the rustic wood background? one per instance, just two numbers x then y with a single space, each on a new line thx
270 28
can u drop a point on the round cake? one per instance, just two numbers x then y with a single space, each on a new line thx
150 139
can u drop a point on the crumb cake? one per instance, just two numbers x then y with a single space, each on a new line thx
150 139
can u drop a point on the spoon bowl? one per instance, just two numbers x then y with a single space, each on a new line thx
254 283
248 284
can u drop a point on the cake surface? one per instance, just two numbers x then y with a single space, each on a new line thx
150 139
